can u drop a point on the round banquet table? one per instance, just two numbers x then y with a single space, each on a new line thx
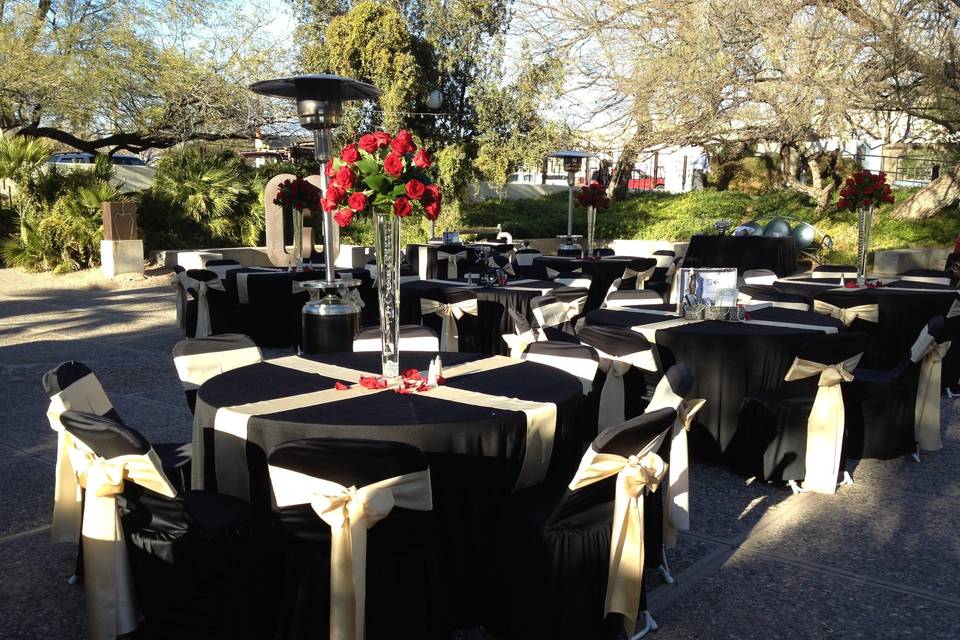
728 359
905 307
482 334
270 308
603 271
779 254
476 452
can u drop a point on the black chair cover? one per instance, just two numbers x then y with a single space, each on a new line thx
174 456
195 559
549 575
880 419
223 313
771 438
405 593
469 328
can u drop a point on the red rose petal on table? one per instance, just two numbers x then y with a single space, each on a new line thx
339 386
403 390
371 382
412 374
850 285
441 380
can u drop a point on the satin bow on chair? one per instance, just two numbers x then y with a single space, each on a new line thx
350 512
613 393
826 422
108 583
203 307
450 312
507 266
929 353
867 312
452 260
518 342
636 476
641 276
557 311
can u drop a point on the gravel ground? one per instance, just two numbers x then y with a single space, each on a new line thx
880 559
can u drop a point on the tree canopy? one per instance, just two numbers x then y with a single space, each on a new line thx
110 75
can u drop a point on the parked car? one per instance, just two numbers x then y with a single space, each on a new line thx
640 181
82 157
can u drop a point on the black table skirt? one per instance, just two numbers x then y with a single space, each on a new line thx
603 271
483 333
272 317
743 252
903 313
431 268
728 359
475 452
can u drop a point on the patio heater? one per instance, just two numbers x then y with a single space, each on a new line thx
330 321
572 163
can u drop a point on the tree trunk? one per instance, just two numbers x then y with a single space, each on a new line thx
822 187
932 199
622 174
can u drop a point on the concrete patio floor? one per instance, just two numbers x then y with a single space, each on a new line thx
880 559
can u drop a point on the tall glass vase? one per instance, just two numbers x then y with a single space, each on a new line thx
863 243
591 221
297 218
387 246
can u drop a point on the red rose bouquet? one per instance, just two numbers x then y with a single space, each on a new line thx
298 194
863 190
381 171
593 195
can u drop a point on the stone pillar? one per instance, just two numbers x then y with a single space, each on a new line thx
277 250
120 250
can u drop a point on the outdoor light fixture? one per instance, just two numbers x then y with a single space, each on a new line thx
572 163
329 323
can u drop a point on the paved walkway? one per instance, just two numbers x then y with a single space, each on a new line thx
880 559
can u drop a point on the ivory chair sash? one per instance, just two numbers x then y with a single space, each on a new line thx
523 336
576 359
108 583
929 353
202 287
197 360
452 260
87 395
637 476
350 512
525 257
507 266
867 312
450 312
641 276
826 420
613 392
552 309
677 499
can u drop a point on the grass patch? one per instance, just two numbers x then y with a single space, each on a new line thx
664 216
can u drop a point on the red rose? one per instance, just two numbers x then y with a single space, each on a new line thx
415 189
368 142
431 210
403 143
402 207
383 139
343 217
433 192
329 168
357 201
345 177
867 202
422 159
350 153
332 198
393 164
842 203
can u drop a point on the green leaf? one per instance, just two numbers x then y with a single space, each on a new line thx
379 183
383 201
399 190
367 165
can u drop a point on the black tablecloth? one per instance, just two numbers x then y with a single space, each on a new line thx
728 359
905 307
603 271
475 452
483 334
743 252
271 310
